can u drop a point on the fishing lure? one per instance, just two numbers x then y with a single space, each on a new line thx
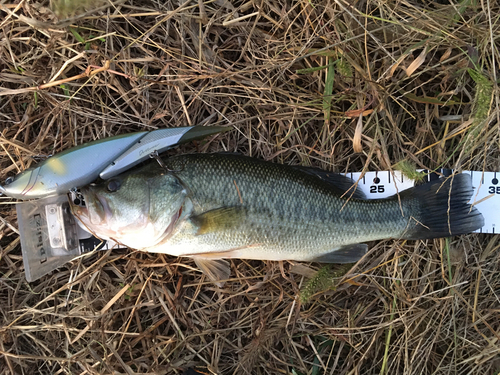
105 158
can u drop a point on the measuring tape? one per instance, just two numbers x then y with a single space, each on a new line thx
486 197
50 236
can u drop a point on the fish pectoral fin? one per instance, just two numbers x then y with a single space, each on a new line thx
218 219
215 269
344 254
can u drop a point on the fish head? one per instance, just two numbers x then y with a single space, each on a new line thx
136 209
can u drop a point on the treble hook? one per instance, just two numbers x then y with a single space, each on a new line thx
154 155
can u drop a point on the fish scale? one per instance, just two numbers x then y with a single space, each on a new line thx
289 213
215 206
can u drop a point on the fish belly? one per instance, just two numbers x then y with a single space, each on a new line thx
268 239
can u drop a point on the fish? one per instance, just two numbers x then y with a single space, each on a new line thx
213 207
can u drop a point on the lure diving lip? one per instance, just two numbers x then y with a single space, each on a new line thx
83 164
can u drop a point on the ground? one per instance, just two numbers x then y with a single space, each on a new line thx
345 86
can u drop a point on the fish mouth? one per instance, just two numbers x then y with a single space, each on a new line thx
81 213
91 208
77 204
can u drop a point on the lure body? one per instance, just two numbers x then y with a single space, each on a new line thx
105 158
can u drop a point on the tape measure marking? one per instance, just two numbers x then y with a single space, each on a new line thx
486 186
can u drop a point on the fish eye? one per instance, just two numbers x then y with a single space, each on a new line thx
113 186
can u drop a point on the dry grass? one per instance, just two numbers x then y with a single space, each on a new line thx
327 83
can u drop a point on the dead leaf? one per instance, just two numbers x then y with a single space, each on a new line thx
356 141
416 63
302 270
395 65
358 112
446 54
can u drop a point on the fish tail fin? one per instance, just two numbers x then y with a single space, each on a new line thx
441 209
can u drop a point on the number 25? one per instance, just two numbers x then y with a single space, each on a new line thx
380 189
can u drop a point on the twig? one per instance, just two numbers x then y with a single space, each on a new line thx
85 74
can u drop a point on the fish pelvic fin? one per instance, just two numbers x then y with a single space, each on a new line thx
218 219
344 254
440 208
215 269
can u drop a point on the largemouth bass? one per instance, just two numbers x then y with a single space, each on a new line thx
215 206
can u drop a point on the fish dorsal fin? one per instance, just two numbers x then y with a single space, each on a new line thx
218 219
215 269
344 254
337 181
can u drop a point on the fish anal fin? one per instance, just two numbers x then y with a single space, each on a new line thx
215 269
345 254
218 219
